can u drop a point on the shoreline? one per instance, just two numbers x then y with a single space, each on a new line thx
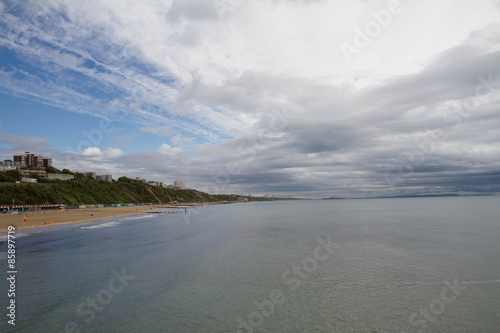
37 220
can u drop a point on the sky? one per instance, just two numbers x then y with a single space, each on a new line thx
303 98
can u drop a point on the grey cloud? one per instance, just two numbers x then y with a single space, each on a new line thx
19 144
192 9
454 75
335 140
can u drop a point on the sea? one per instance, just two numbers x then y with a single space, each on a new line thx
368 265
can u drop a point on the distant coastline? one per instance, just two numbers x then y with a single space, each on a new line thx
431 196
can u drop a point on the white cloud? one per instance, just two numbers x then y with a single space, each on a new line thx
112 152
92 151
180 141
293 41
108 153
160 131
168 150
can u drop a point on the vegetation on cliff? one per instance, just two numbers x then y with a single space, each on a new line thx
88 191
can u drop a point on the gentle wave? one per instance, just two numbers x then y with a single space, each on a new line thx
18 234
104 225
405 283
138 217
480 282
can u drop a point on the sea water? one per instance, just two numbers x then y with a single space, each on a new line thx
377 265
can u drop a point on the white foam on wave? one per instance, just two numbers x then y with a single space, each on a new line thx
3 255
17 234
103 225
480 282
139 217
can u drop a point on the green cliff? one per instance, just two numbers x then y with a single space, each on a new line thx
87 191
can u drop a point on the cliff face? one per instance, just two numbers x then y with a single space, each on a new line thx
85 191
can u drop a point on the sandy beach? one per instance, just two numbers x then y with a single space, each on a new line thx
72 216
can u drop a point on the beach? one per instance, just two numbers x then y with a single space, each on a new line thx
41 219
